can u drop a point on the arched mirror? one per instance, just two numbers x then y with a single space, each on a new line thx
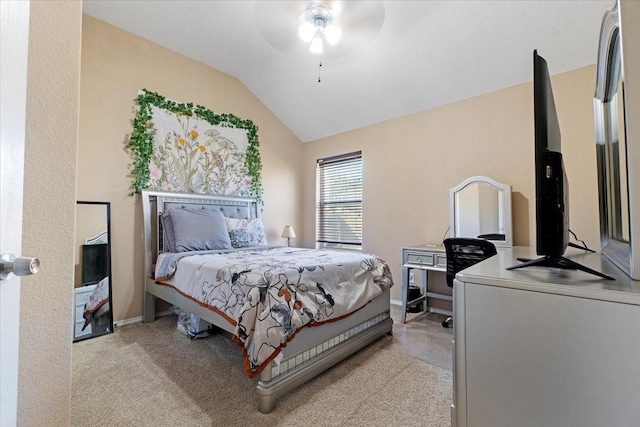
611 145
481 207
92 278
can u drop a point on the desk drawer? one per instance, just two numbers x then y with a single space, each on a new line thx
418 258
441 260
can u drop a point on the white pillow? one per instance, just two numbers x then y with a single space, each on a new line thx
253 226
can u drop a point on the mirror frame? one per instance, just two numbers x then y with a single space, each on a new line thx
107 206
609 74
504 197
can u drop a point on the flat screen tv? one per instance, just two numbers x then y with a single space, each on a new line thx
95 263
552 187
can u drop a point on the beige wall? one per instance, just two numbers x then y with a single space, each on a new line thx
410 163
44 384
115 66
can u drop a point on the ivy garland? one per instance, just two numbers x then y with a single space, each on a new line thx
141 140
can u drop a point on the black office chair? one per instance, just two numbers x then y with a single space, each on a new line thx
463 252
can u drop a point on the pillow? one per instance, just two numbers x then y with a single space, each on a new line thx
253 226
167 232
199 230
240 238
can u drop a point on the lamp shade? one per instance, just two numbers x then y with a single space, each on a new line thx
288 232
318 23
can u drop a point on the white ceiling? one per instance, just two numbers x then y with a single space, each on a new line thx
395 57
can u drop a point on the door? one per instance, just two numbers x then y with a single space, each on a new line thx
14 35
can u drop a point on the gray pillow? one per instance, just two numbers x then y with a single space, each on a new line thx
199 230
240 238
169 237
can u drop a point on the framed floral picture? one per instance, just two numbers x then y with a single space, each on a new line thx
186 148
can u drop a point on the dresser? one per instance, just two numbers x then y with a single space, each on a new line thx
545 347
426 258
81 296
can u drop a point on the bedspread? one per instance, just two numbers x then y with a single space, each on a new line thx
98 298
270 293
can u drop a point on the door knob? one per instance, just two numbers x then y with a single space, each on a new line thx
20 266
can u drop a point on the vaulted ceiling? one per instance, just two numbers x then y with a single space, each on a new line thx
394 57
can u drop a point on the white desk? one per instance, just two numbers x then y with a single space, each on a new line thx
423 257
545 347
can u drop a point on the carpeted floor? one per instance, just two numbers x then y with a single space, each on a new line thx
152 375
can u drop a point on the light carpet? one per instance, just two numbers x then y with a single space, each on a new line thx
153 375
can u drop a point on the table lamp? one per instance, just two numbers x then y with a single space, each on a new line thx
289 234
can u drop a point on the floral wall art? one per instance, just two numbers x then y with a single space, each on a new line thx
189 148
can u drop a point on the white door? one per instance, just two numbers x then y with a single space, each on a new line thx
14 35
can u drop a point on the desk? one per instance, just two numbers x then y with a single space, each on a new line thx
423 257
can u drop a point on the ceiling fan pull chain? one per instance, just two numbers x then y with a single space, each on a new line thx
319 69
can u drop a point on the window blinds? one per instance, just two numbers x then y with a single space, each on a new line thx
339 208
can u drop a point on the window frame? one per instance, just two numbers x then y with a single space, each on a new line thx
331 231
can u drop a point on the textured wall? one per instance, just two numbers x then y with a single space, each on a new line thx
44 384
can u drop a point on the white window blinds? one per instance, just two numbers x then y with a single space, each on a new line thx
339 201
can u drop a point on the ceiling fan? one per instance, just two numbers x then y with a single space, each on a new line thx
345 26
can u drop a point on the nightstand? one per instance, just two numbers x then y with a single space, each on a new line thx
81 297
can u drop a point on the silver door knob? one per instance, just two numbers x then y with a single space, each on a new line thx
20 266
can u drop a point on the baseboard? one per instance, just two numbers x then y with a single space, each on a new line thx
439 311
138 319
429 309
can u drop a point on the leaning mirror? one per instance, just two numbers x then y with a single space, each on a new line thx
92 278
481 207
611 145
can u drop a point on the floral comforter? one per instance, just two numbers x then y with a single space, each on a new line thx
98 298
270 293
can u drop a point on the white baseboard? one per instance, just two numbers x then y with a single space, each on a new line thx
138 319
430 309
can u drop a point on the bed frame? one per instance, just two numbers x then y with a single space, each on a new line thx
312 351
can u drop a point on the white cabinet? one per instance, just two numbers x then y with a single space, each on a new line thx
81 297
542 347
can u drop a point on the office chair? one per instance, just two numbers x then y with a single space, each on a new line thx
464 252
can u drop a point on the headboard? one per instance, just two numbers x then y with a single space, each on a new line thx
101 237
156 202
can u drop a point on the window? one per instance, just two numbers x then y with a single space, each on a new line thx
339 202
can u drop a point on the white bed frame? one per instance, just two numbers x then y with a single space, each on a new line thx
311 352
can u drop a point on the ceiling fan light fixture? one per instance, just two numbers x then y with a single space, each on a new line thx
319 22
316 45
306 31
333 33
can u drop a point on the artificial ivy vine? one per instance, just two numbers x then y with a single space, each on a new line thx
141 140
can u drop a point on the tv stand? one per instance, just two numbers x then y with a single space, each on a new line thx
545 349
558 262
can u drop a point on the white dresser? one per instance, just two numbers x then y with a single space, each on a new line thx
80 298
539 347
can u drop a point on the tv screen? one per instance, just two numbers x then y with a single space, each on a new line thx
95 263
552 190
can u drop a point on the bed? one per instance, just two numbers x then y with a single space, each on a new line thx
315 317
97 307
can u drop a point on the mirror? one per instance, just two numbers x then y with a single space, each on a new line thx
481 207
92 278
611 145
